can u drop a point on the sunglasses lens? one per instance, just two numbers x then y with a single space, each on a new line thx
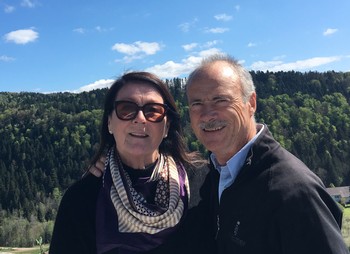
126 110
154 112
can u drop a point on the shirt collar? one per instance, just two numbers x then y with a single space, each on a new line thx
230 170
237 160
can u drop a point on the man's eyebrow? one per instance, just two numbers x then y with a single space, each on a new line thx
221 96
217 97
194 100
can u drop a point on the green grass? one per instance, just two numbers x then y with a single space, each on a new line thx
34 250
346 225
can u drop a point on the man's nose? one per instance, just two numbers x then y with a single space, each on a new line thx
208 111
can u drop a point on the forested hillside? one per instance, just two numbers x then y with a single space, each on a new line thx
47 140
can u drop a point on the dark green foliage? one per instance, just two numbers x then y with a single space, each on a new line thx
47 140
309 114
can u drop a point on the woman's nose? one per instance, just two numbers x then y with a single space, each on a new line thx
140 117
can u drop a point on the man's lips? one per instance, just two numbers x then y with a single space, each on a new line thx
212 126
213 129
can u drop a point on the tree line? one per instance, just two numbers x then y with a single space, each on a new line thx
47 140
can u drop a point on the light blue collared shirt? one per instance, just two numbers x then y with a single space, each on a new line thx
229 172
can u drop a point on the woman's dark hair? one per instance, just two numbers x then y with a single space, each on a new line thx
173 145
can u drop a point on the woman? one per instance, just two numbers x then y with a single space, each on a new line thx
139 204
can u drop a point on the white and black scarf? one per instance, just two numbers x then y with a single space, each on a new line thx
134 218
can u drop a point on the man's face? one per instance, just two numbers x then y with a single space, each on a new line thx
220 119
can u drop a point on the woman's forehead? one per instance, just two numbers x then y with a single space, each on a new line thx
139 89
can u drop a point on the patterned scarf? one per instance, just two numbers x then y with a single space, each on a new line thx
140 226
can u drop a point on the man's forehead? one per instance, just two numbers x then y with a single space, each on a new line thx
210 93
228 72
216 77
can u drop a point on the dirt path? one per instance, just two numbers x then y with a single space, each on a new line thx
20 250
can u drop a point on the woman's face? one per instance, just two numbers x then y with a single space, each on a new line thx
137 140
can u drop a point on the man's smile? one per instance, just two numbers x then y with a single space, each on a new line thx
213 129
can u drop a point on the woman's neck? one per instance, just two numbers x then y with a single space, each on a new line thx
139 162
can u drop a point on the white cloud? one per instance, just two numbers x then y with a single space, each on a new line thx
148 48
22 36
251 44
129 59
241 62
300 65
209 52
186 26
265 65
6 58
99 84
330 31
28 3
9 9
137 50
79 30
171 69
237 7
206 45
103 29
217 30
210 44
189 47
223 17
280 57
98 29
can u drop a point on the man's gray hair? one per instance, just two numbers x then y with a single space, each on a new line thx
245 78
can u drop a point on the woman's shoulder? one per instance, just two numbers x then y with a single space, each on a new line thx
83 189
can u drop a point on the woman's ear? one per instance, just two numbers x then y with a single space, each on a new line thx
109 126
166 129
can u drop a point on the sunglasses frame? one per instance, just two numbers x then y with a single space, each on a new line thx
141 108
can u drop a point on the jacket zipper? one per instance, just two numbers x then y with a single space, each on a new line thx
217 227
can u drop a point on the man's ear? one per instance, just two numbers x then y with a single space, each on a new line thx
252 103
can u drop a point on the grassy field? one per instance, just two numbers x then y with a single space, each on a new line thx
36 250
346 225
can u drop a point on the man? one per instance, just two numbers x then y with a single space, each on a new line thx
258 197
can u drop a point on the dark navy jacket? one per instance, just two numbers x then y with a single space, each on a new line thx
275 206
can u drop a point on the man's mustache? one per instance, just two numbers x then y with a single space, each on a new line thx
212 125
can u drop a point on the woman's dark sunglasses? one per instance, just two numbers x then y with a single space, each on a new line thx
128 110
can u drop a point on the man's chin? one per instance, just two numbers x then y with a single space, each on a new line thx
211 145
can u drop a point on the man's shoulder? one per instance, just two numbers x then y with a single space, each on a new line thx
284 169
290 177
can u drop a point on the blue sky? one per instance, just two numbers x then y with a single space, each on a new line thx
79 45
